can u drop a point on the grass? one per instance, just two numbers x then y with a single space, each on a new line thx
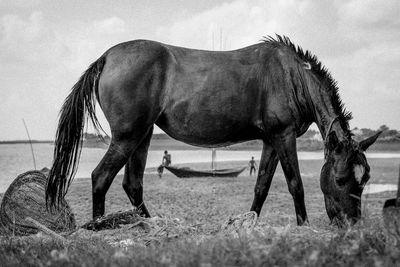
197 207
363 245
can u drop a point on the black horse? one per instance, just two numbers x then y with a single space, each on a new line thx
271 91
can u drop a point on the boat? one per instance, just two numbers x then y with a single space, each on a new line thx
186 172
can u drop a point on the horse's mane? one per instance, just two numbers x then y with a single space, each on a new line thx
321 72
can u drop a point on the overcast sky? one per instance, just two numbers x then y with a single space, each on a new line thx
46 45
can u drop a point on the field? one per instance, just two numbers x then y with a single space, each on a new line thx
195 209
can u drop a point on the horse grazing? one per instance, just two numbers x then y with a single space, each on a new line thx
271 91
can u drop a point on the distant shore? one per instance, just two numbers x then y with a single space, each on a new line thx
11 142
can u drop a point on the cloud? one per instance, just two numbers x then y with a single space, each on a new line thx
36 40
110 26
16 33
40 62
87 41
198 31
370 13
19 3
246 22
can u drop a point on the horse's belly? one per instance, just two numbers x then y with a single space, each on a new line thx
209 128
207 137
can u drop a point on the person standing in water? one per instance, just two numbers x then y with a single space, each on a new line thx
166 161
252 165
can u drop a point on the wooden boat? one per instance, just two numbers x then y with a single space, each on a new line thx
186 172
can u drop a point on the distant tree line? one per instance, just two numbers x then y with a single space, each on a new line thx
388 135
360 134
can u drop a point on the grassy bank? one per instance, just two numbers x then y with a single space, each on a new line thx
199 206
362 246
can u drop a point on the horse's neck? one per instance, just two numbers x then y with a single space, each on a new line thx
331 124
324 114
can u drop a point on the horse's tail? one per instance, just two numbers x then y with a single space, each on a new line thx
78 107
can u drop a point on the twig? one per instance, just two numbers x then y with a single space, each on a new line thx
152 236
45 230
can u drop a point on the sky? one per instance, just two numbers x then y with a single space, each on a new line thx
45 45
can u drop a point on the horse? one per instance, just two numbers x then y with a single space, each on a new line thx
270 91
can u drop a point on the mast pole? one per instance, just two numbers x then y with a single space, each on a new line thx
213 159
30 142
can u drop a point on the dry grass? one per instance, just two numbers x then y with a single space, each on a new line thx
364 245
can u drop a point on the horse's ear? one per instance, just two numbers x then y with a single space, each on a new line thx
365 144
332 141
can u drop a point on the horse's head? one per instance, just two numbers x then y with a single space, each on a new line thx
343 177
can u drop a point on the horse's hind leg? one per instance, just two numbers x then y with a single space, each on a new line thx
133 178
102 177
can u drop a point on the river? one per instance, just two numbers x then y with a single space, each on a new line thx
17 158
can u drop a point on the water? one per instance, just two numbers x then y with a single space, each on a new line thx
16 159
378 188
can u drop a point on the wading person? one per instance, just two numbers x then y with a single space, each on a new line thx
252 165
166 161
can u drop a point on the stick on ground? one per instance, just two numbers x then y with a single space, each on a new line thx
45 230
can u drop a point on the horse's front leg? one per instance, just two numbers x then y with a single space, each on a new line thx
269 161
285 145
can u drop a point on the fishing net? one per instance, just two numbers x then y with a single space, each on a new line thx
242 222
113 220
25 198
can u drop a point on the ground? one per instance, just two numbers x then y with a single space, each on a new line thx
211 200
200 205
